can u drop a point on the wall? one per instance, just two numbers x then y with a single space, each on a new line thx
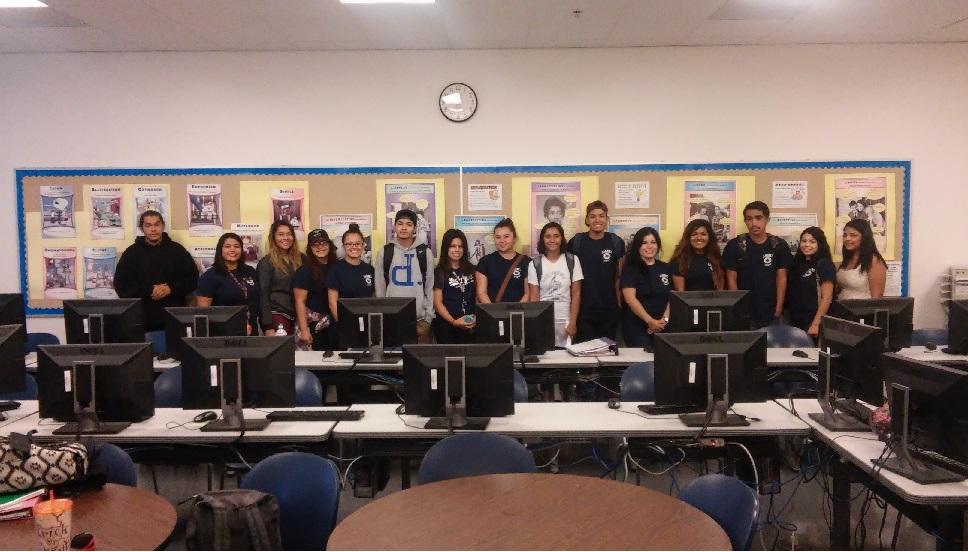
662 105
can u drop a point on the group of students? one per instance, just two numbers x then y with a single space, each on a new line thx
596 286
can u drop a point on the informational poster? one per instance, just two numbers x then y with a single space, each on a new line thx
204 257
336 225
789 194
892 287
99 263
60 277
57 212
632 195
789 226
485 197
625 226
150 198
104 204
555 202
289 205
714 201
419 198
865 197
205 210
480 234
252 235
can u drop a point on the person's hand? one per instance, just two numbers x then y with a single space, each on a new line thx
571 330
814 330
248 329
656 325
461 324
778 314
270 333
305 336
160 291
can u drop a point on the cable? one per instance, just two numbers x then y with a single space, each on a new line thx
756 473
342 484
552 461
399 412
672 465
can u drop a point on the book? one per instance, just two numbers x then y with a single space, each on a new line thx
19 514
10 502
602 346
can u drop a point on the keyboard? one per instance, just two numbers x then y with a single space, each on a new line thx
942 461
388 358
314 415
956 364
658 410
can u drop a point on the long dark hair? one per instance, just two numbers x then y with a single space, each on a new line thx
684 253
443 262
219 264
867 250
320 269
823 247
632 257
541 244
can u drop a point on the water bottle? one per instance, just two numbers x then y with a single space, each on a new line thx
280 330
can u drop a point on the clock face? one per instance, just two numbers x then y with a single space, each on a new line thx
458 102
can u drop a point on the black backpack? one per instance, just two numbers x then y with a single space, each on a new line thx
421 260
237 519
743 244
569 260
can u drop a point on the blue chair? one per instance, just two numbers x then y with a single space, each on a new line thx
729 501
787 337
469 454
35 339
922 336
114 462
307 488
520 388
309 392
157 340
29 394
638 383
168 389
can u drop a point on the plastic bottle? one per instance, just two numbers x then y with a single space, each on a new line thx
281 330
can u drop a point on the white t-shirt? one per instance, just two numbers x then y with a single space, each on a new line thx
555 286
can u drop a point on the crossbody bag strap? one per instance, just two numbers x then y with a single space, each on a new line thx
507 278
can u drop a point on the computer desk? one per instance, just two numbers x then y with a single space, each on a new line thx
27 409
30 360
923 354
775 357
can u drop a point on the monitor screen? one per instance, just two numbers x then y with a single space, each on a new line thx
488 378
399 321
181 322
708 311
12 311
494 325
957 328
12 369
855 372
103 321
268 370
894 315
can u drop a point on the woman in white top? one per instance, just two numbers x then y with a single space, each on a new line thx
863 272
558 280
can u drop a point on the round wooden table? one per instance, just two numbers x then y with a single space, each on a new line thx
528 511
119 517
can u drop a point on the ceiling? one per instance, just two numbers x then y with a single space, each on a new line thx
277 25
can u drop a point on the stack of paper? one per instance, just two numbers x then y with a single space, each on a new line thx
19 505
596 347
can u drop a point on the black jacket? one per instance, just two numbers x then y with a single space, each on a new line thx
142 266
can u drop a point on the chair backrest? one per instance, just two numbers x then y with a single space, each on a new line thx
40 338
520 388
116 464
923 336
787 336
468 454
157 340
638 382
307 489
29 394
168 388
729 501
309 392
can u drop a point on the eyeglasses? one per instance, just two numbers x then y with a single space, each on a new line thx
352 244
319 244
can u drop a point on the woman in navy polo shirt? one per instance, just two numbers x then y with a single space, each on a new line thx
230 282
350 277
646 282
810 285
496 266
696 262
454 291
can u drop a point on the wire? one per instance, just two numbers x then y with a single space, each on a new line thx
672 465
399 412
553 459
342 484
756 473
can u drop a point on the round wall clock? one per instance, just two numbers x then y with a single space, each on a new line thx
458 102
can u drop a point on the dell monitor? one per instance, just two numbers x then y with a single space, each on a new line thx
709 311
708 372
894 315
13 371
99 388
12 311
181 322
957 328
95 321
529 327
376 324
849 370
459 386
232 372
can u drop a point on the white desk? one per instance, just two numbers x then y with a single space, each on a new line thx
27 408
775 357
314 360
30 361
921 353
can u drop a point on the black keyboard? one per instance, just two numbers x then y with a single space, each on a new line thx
388 358
949 464
314 415
658 410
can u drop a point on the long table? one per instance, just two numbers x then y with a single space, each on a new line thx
27 409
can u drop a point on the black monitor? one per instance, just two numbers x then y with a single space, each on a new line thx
709 311
181 322
101 387
530 327
13 371
849 371
459 386
12 311
929 416
894 315
957 328
377 323
89 321
232 372
709 372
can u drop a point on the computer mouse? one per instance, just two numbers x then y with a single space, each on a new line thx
327 354
614 403
206 416
801 354
930 346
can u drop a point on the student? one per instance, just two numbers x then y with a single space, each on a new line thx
156 270
351 277
502 275
811 282
275 272
599 253
230 282
403 263
696 263
758 261
863 272
646 282
454 291
311 295
556 276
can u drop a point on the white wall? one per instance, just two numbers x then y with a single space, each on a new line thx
661 105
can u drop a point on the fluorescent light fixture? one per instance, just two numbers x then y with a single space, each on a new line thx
22 4
387 1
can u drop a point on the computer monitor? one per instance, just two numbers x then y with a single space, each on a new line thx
100 387
96 321
710 371
530 327
849 369
709 311
957 328
459 386
13 371
377 323
181 322
12 311
232 372
929 416
894 315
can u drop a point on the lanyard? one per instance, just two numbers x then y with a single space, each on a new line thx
243 287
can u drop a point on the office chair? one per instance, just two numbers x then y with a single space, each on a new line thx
157 340
309 392
520 388
729 501
114 462
307 488
40 338
922 336
638 383
29 394
469 454
787 337
168 388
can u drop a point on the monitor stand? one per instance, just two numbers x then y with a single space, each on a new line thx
456 396
375 353
83 377
230 380
717 398
830 419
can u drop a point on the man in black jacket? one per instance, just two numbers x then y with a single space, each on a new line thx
156 270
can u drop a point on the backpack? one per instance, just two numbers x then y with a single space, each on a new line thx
569 260
742 245
421 260
24 465
238 519
617 242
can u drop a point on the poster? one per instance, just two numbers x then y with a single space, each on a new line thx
104 204
57 212
60 269
150 198
480 234
892 287
204 209
289 205
335 225
632 195
863 198
625 226
714 201
204 257
419 198
252 235
789 194
485 197
789 226
555 202
99 263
